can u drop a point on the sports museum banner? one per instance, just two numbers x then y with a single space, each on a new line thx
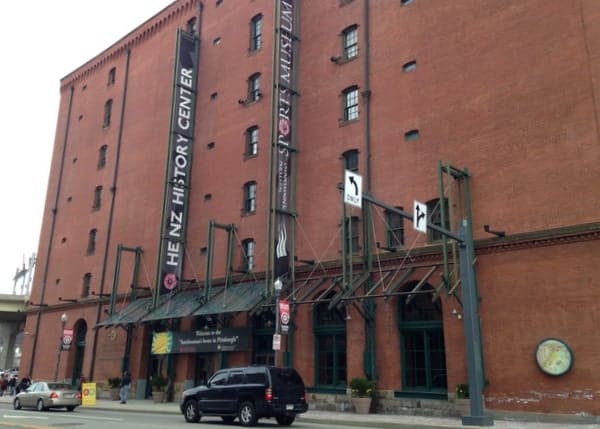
179 164
284 94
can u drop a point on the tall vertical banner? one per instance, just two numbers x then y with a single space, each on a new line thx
181 135
283 120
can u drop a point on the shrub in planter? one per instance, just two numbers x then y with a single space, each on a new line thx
462 391
361 387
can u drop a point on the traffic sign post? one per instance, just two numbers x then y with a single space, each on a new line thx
353 189
420 217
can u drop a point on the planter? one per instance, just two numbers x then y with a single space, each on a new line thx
114 393
463 406
158 397
362 405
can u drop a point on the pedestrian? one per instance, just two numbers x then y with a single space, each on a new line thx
125 383
82 380
12 383
23 384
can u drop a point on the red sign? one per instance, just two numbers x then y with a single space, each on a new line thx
67 338
284 314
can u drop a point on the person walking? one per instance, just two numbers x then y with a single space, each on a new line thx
125 383
12 383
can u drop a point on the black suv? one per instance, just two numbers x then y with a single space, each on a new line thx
248 393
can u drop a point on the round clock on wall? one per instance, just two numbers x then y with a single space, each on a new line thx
554 356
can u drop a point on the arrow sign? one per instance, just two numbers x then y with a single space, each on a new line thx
420 217
353 189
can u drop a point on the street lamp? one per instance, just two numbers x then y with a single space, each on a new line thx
277 285
63 322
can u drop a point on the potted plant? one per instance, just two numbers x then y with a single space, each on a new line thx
361 390
462 401
159 384
114 385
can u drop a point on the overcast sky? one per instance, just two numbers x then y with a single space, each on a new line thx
43 41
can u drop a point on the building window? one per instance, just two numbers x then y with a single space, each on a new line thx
256 32
92 241
434 215
395 229
405 2
351 234
262 350
248 255
85 287
107 113
249 198
252 141
112 75
192 25
411 135
254 93
330 345
350 158
409 66
97 198
102 156
350 103
422 349
350 42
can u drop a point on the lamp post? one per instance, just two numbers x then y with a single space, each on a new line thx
277 285
63 322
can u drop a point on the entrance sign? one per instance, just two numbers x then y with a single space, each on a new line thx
353 189
420 217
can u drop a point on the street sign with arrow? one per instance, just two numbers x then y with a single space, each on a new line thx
353 189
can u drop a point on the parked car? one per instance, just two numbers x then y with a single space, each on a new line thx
247 393
44 395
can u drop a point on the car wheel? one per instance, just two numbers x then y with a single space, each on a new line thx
17 404
228 419
71 408
247 414
286 419
191 411
40 405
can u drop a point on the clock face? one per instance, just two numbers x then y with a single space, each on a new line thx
554 357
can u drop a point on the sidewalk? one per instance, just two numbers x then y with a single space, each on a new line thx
367 420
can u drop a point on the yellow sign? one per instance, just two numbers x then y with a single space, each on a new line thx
88 394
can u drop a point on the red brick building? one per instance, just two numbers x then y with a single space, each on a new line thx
187 177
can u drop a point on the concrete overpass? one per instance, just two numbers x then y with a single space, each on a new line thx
12 324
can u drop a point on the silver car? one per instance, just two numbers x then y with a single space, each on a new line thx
44 395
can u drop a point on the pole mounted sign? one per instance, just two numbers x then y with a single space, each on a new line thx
284 315
353 189
67 339
420 217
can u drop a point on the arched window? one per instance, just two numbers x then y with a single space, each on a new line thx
350 42
247 255
350 100
249 198
330 345
85 287
107 113
92 241
252 141
423 353
102 156
434 214
256 32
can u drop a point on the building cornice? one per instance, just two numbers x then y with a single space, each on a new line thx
139 35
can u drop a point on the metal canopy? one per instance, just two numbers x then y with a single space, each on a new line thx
232 299
180 305
131 313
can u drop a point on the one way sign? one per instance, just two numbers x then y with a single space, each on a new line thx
353 189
